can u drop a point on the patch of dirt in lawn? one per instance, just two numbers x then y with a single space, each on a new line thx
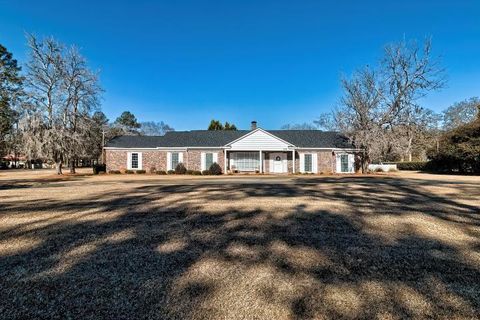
387 247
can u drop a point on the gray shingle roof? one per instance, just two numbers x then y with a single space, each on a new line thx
313 138
134 142
205 138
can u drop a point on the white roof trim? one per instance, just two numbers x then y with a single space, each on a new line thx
156 148
171 148
165 148
207 148
256 130
332 149
124 148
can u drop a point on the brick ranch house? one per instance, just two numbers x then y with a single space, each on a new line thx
255 150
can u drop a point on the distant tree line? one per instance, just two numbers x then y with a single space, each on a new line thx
459 148
51 112
217 125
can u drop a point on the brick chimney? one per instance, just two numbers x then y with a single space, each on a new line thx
254 125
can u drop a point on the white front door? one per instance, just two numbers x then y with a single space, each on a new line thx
278 162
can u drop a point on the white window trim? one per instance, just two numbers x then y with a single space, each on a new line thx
351 162
169 159
234 164
314 162
129 161
203 160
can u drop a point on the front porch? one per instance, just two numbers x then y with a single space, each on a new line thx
272 161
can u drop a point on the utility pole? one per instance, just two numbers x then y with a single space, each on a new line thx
105 127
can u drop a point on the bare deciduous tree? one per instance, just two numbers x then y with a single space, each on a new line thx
410 74
82 96
360 113
326 121
44 80
379 109
62 92
151 128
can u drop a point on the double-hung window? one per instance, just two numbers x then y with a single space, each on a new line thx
134 163
208 160
344 163
308 165
175 160
308 162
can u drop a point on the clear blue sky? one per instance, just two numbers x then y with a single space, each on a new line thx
186 62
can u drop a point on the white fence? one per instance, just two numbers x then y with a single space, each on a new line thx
383 167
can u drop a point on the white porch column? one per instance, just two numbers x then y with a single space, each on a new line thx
225 164
293 160
261 161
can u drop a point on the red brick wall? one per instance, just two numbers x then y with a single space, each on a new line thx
155 159
193 159
117 159
221 160
326 162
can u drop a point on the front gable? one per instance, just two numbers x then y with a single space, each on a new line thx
259 139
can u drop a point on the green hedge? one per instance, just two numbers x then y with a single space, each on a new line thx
453 165
215 169
180 169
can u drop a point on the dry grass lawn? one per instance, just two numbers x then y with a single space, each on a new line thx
152 247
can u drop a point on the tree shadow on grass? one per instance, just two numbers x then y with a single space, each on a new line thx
40 182
198 252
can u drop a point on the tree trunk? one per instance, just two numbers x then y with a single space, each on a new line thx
72 165
409 149
365 162
58 166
